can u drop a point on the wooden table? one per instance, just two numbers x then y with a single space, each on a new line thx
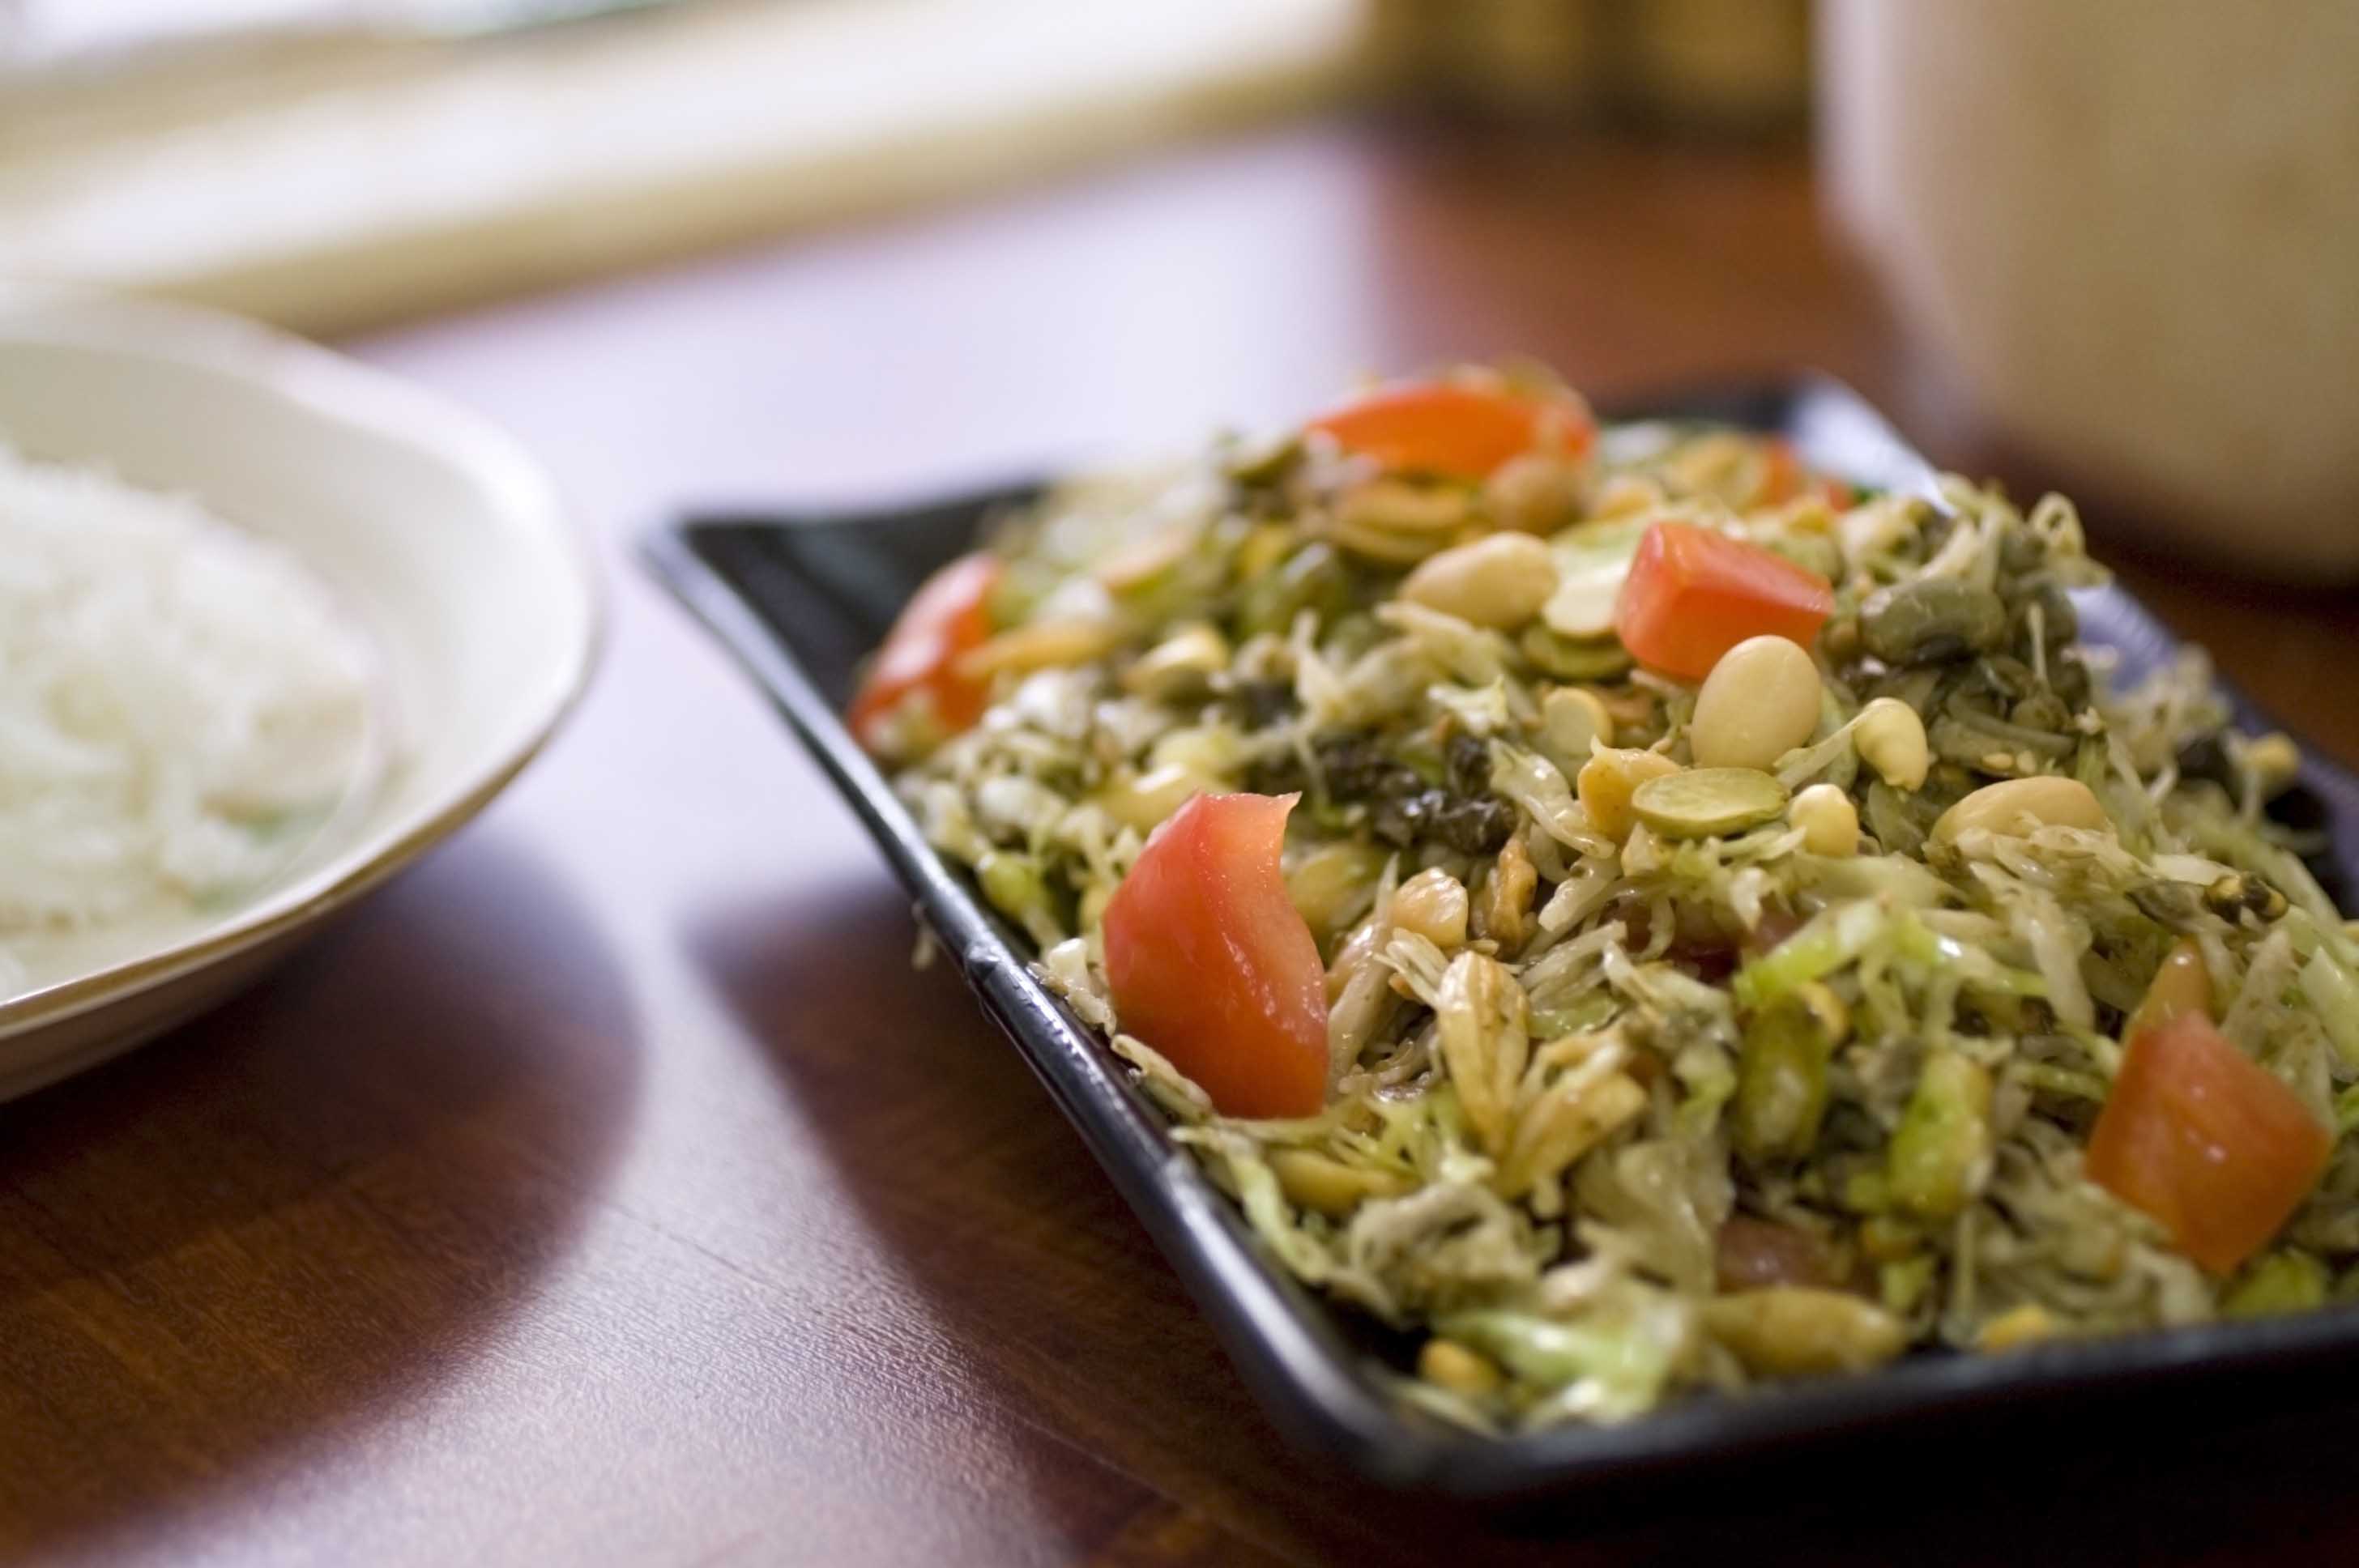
611 1191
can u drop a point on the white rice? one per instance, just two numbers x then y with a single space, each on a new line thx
180 706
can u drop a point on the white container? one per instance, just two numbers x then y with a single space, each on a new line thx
447 542
2131 228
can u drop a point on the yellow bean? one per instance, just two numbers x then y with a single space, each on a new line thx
1606 781
1432 904
1446 1363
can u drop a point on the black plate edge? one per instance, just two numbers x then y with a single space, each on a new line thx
1306 1375
1261 1316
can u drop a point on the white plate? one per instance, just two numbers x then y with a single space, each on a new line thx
441 535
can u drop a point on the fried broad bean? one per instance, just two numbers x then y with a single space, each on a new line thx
1700 802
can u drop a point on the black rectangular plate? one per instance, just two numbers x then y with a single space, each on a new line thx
800 598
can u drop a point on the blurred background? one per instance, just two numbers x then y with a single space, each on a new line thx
331 164
2116 240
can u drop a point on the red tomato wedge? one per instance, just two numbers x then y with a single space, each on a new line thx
945 618
2208 1141
1693 594
1782 473
1783 478
1458 431
1210 962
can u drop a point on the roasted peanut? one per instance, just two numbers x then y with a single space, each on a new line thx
1760 701
2018 805
1499 581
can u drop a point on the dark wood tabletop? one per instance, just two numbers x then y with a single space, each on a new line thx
610 1190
